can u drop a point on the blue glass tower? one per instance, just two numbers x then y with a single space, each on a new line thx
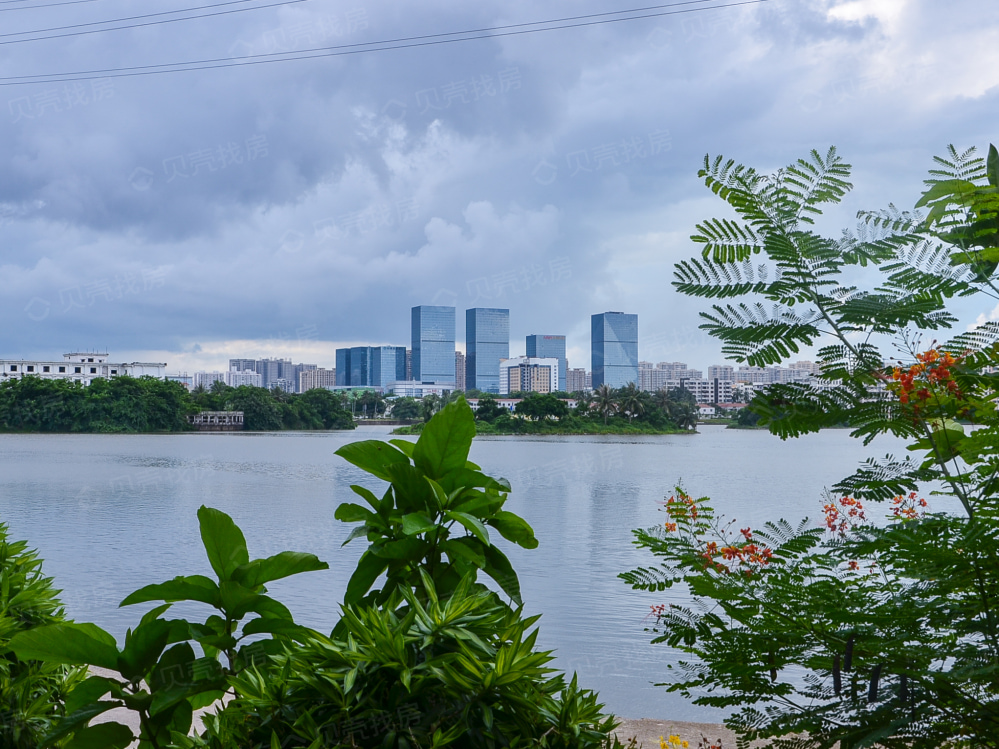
360 366
487 340
549 347
614 349
388 364
342 367
433 344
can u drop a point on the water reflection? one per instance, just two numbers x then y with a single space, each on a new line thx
112 513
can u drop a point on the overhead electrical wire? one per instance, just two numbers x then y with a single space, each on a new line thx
384 45
39 7
140 25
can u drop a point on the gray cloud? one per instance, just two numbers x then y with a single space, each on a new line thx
316 201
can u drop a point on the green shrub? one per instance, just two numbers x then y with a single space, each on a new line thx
32 692
424 655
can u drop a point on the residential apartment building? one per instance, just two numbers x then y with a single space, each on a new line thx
528 374
316 378
459 371
575 380
614 349
550 347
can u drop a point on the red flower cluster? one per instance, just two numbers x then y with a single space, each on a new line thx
747 553
840 519
933 369
681 506
905 507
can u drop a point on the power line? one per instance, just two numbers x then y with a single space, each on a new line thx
39 7
139 25
427 40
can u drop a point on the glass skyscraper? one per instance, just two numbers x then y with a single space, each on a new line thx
487 340
370 366
388 364
549 347
433 344
614 349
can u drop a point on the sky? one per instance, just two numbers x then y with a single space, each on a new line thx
288 208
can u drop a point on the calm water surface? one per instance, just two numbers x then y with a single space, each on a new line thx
112 513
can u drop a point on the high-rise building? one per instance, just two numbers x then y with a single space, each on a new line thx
614 349
459 370
360 366
409 364
575 380
550 347
370 366
316 378
388 364
433 344
487 342
721 372
342 367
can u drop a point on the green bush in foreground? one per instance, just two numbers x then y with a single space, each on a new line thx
31 691
864 634
429 657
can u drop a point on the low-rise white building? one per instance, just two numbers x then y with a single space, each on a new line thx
79 367
415 388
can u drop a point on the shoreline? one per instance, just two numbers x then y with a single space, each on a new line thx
646 732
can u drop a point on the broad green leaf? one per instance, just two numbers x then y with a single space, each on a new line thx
189 588
90 690
102 736
416 522
361 530
514 528
444 442
224 542
468 548
275 626
367 495
281 565
269 608
175 668
412 492
405 445
498 567
348 512
369 567
79 716
405 548
373 456
992 166
72 644
472 524
143 647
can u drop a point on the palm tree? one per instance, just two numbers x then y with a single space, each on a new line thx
605 399
662 399
631 400
686 416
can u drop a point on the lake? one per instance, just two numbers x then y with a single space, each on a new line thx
111 513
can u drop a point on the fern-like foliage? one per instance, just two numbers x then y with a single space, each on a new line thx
883 636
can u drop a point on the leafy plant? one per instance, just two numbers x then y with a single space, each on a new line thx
31 690
435 515
876 634
159 674
432 657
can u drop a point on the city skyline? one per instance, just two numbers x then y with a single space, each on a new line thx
288 210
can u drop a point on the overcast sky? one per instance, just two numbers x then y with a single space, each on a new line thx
286 209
